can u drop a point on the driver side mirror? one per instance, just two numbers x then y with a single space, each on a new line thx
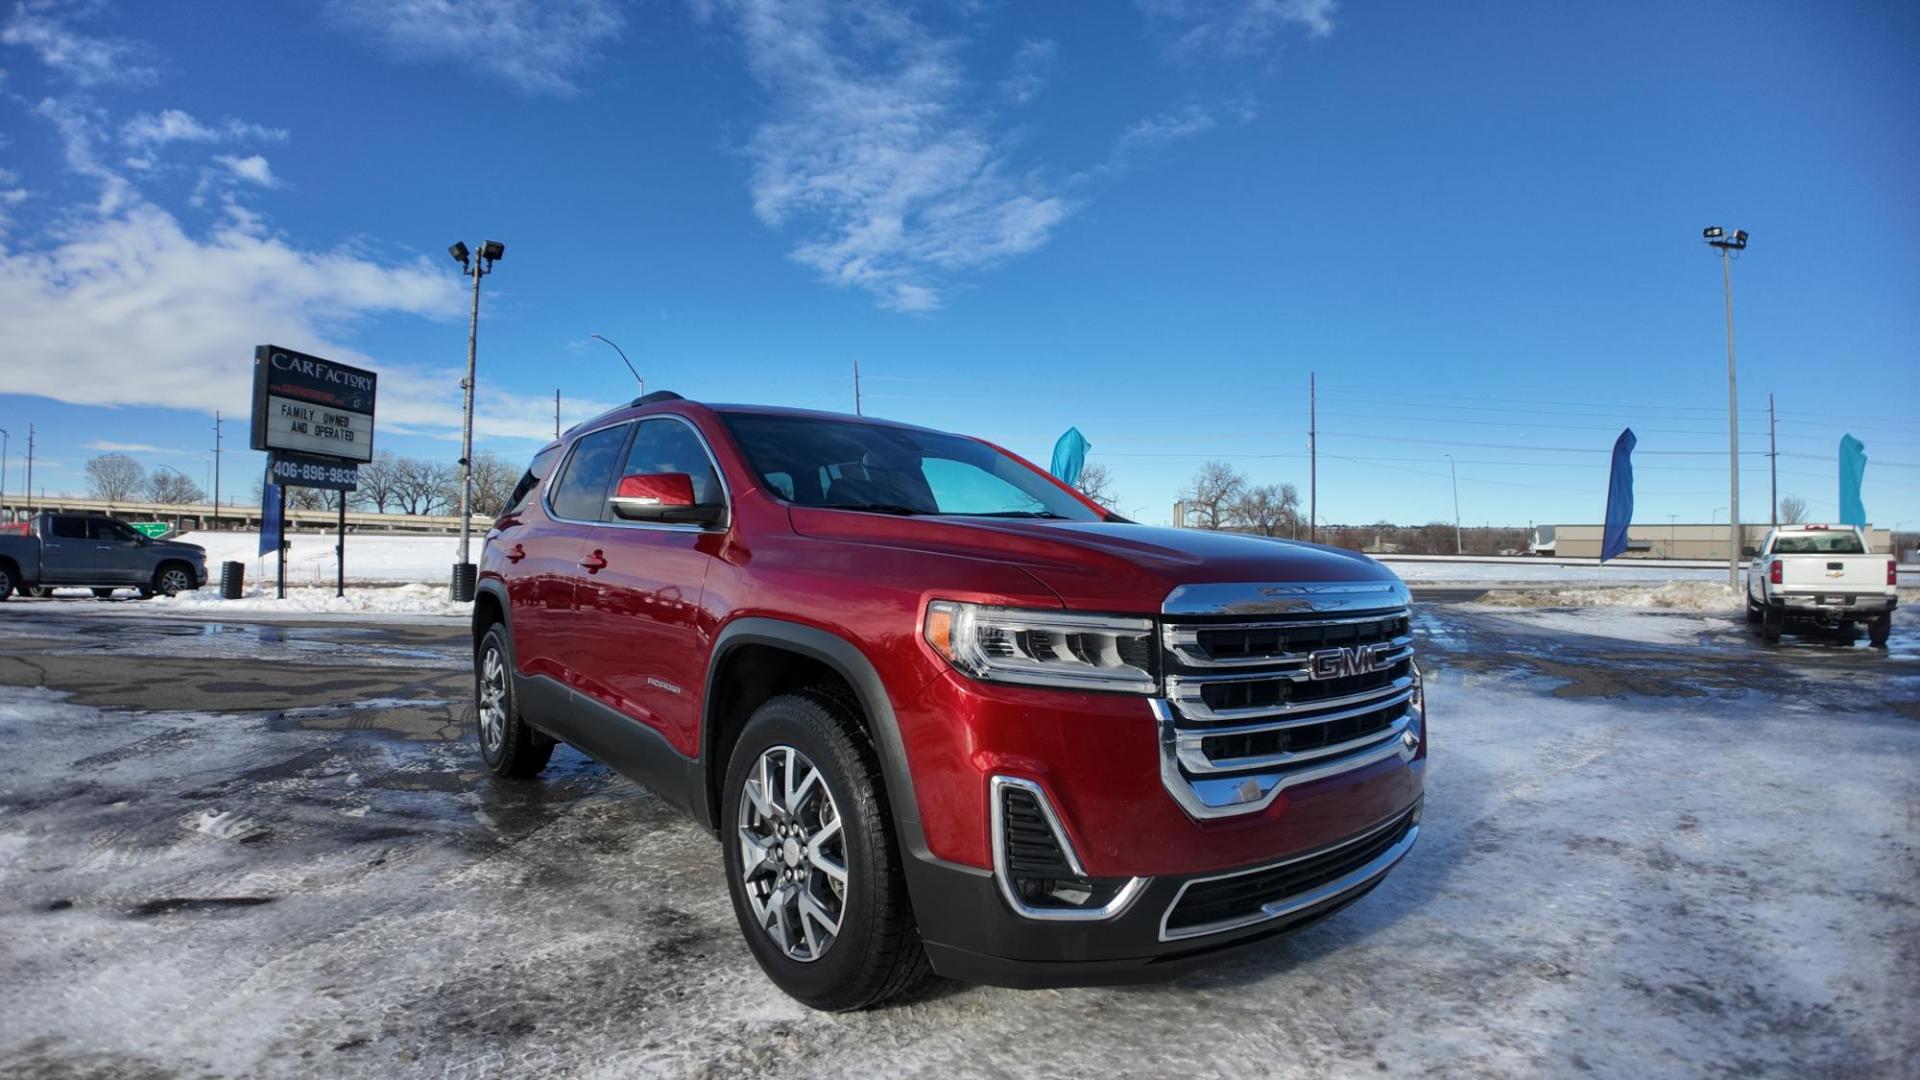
661 497
1749 552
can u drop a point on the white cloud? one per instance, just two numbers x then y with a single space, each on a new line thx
541 46
1032 63
111 447
875 156
1203 28
43 27
1154 132
253 168
173 125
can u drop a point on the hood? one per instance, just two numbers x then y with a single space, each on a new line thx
1106 566
177 547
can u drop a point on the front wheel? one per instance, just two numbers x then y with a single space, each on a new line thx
172 580
507 744
6 581
812 865
102 594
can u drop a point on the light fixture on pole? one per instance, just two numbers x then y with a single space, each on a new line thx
642 383
1451 471
490 252
1729 247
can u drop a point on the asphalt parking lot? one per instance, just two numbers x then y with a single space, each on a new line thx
244 849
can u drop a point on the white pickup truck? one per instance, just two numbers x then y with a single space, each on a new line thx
1821 575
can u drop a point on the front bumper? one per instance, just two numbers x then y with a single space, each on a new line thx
970 933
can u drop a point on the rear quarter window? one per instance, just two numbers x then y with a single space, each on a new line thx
537 470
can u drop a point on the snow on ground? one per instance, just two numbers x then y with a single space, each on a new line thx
370 556
1674 595
414 599
1431 571
1649 884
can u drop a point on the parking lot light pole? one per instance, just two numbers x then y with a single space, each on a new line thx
476 265
638 381
1728 248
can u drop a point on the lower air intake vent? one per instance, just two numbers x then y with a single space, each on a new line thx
1039 875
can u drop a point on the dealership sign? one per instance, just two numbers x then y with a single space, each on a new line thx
307 405
306 470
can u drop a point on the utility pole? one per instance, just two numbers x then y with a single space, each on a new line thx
29 472
1313 461
1451 471
856 389
1726 246
1773 462
476 265
4 437
216 469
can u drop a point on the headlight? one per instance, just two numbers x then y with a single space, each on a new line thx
1045 648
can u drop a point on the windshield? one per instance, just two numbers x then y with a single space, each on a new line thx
1819 543
875 467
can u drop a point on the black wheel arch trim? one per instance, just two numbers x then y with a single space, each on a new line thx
852 665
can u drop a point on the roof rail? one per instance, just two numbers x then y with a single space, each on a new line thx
656 396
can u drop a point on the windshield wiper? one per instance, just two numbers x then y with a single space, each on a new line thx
876 508
1022 514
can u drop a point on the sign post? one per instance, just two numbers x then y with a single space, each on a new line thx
314 417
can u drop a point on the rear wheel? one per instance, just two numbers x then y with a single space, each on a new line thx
1753 613
102 594
1879 629
812 865
507 744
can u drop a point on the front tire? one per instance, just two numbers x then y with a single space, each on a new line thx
172 579
6 581
812 864
102 594
507 744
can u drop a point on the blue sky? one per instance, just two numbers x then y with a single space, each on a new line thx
1478 223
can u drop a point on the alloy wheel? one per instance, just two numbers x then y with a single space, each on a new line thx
793 859
175 581
493 701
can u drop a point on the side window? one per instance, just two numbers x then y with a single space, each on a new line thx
581 491
537 471
669 446
70 528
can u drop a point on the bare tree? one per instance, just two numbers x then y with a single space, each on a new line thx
379 482
423 487
493 481
1793 509
1096 483
167 486
1267 510
114 477
1211 493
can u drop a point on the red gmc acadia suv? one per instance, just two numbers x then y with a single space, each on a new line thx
942 711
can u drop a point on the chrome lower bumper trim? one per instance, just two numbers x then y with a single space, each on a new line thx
1121 901
1332 890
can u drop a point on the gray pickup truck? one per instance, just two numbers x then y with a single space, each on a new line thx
97 552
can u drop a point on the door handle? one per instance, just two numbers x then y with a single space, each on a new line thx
516 553
595 562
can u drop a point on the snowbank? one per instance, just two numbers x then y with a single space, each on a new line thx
370 556
413 599
1673 596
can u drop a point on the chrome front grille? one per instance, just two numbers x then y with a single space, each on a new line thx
1268 686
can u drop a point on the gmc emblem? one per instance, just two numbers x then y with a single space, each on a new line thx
1347 660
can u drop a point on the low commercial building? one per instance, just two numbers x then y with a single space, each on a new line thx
1669 541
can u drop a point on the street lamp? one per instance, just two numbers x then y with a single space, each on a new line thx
490 252
1451 471
623 359
1729 248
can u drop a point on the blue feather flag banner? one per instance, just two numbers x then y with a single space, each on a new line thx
1853 473
1070 456
1613 542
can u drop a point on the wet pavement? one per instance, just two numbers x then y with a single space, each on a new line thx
243 849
